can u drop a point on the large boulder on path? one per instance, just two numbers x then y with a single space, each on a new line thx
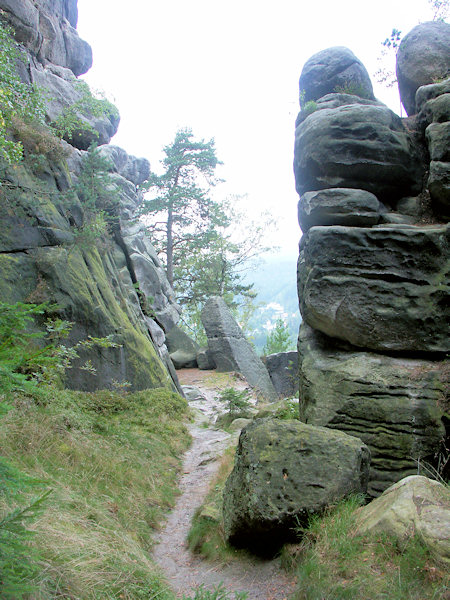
339 206
385 288
356 145
332 70
415 505
182 349
423 57
283 371
285 471
395 405
229 349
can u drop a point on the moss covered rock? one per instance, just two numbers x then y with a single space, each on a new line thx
285 471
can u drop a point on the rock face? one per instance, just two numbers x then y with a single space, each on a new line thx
283 472
333 70
433 102
373 270
283 371
392 404
331 151
47 29
339 206
229 349
383 288
53 57
423 57
414 506
113 287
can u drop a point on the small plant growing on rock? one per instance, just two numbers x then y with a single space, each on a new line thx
236 402
310 107
354 89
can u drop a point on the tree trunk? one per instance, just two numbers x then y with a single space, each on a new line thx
170 246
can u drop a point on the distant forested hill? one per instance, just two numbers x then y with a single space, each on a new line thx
275 281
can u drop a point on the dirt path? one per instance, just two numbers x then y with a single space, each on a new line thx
262 580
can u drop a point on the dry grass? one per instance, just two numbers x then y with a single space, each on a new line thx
113 474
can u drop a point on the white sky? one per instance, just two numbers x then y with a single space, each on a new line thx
230 70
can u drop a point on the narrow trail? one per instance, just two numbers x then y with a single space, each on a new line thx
261 579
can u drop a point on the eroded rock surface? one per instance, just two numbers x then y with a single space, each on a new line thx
383 288
332 70
373 270
332 151
112 286
423 57
415 505
393 404
283 472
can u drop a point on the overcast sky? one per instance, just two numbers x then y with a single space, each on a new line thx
229 70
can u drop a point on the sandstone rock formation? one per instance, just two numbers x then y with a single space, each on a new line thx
422 58
283 472
283 372
229 349
332 70
115 287
182 350
373 272
415 505
53 57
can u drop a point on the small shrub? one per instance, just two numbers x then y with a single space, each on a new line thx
71 122
354 89
17 99
39 140
310 107
237 403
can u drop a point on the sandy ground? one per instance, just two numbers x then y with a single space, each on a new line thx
261 579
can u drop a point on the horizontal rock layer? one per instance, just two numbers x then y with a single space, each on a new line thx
356 145
383 288
397 406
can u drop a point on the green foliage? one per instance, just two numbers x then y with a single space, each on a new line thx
70 123
288 411
17 99
440 9
18 566
310 107
354 89
236 402
218 593
99 197
29 357
335 562
279 339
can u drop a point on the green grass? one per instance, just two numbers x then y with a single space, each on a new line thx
112 463
333 563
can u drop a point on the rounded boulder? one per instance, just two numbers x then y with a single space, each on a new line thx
335 69
423 57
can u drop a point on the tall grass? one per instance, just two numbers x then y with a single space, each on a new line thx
112 463
333 563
